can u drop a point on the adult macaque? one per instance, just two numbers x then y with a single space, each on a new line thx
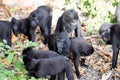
42 17
59 42
69 21
113 37
40 68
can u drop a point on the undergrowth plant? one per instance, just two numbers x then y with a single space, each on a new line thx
11 66
98 11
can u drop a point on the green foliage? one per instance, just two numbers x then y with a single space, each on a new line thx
99 11
26 44
67 2
13 68
8 71
90 5
13 9
115 2
91 30
3 46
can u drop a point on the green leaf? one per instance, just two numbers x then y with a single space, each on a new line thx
8 47
87 3
1 44
13 9
4 41
10 57
34 44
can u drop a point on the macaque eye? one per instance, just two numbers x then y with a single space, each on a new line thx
76 17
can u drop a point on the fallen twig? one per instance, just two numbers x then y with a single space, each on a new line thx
103 52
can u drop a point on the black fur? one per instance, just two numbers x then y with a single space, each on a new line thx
59 42
112 37
23 26
5 32
115 41
37 54
104 31
42 17
69 21
50 66
79 47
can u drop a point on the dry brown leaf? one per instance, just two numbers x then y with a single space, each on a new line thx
94 65
84 29
14 38
104 68
5 62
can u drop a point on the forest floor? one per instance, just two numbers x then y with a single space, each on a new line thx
99 63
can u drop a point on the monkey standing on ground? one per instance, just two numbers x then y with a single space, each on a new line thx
69 21
112 36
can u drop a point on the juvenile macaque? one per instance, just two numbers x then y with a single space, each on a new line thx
80 47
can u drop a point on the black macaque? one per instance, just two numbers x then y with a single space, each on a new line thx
114 40
23 26
59 42
104 31
117 13
51 66
80 47
69 21
5 32
42 17
37 54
